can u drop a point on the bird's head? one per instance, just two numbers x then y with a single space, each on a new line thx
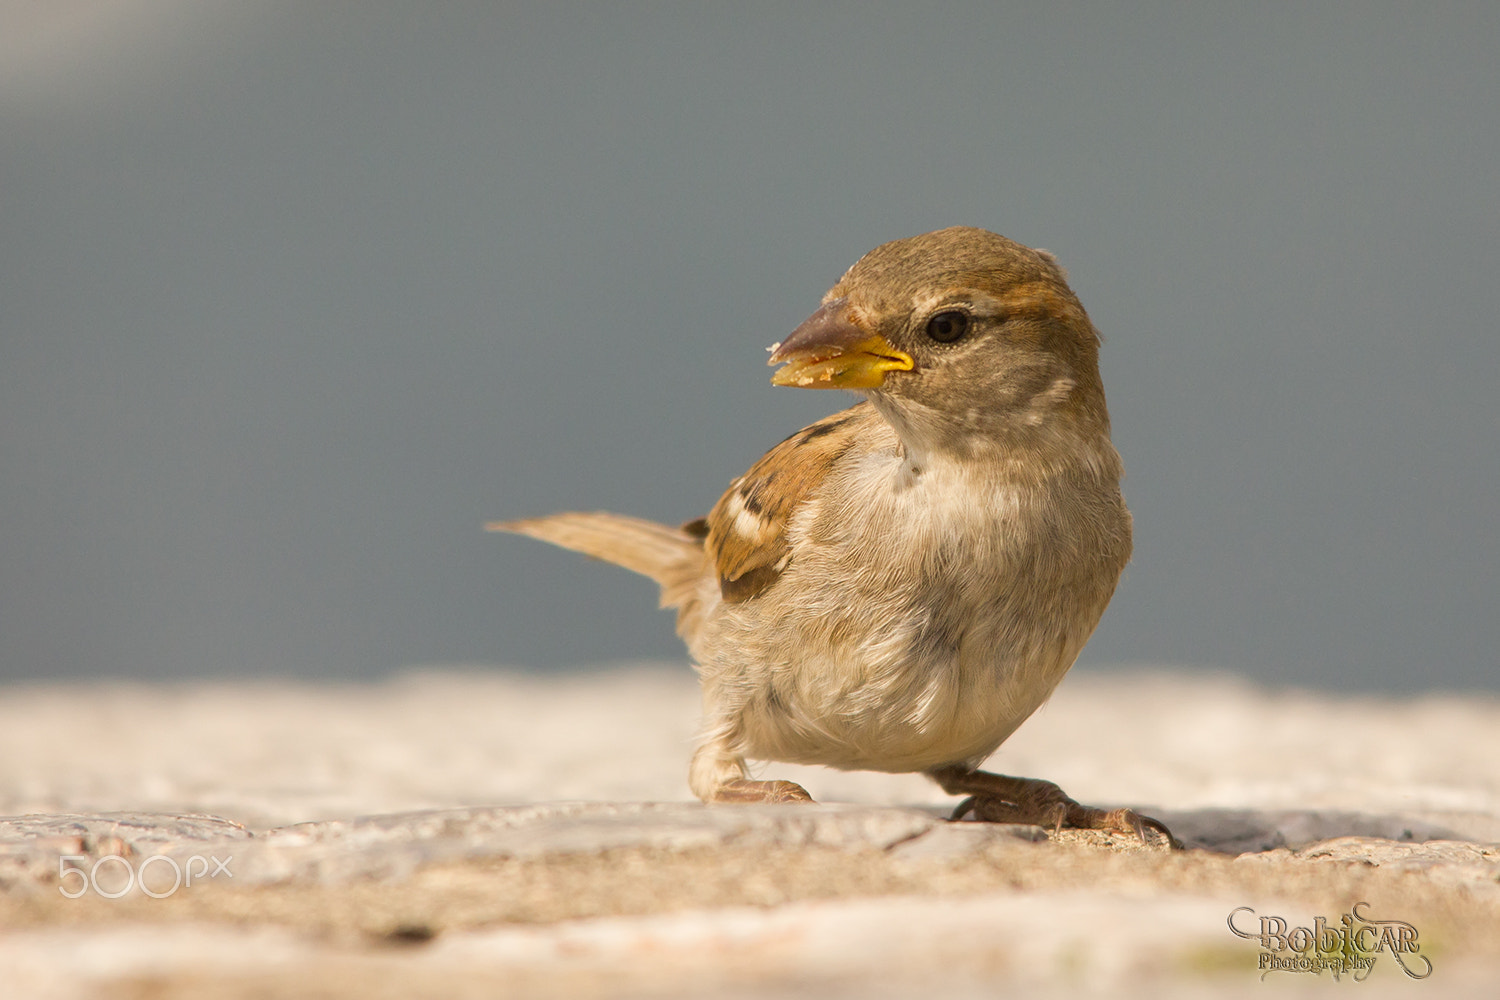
959 336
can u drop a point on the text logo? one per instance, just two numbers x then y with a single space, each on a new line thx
1349 946
113 875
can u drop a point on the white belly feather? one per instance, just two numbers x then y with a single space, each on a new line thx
958 644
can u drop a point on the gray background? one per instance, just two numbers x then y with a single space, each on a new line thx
294 297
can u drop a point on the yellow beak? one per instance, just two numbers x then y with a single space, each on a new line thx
830 351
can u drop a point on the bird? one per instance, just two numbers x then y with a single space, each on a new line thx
898 586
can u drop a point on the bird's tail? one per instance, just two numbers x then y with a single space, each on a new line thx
670 556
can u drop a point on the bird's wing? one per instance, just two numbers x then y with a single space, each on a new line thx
746 532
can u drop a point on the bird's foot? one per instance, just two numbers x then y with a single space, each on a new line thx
749 790
999 798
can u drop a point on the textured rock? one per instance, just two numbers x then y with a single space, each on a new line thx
362 852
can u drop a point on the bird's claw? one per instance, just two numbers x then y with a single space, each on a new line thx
963 809
999 799
750 790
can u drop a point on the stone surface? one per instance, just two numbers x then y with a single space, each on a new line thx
466 833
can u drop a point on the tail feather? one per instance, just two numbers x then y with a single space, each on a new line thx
670 556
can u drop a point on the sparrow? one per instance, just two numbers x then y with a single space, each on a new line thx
898 586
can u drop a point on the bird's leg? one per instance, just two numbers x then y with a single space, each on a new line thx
718 774
999 798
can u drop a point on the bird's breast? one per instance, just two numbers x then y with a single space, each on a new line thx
923 617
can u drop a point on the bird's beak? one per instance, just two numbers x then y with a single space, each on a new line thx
832 351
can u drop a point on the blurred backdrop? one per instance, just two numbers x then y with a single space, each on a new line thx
294 297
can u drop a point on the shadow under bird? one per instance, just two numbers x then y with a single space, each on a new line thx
898 586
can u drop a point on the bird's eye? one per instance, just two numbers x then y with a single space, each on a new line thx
946 327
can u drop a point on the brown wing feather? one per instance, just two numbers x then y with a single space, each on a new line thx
747 527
